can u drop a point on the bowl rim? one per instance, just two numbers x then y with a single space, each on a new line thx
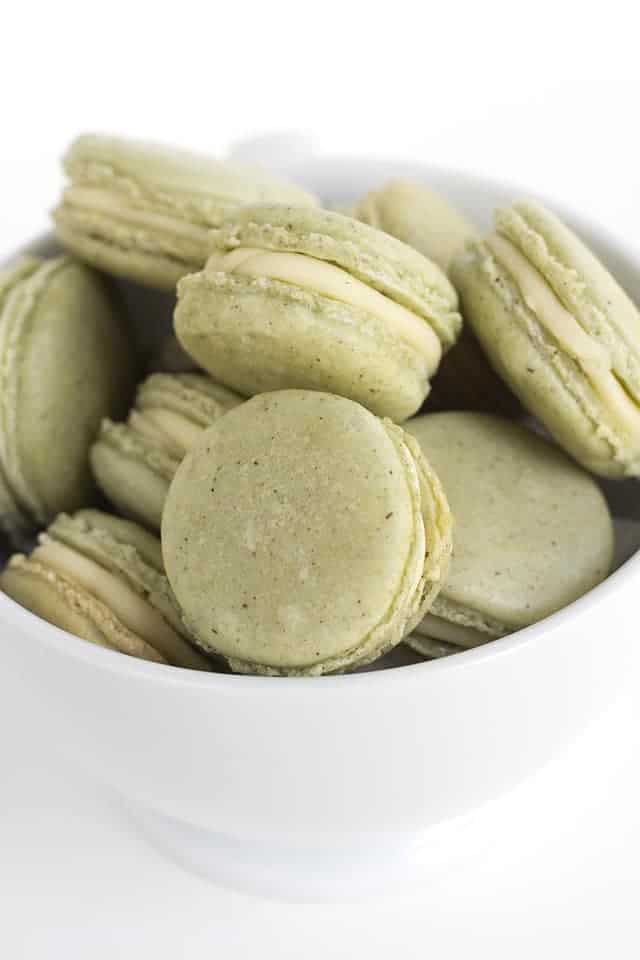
113 661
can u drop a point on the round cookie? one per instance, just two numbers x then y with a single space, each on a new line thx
419 217
532 530
65 363
101 578
134 462
143 210
560 331
308 298
303 535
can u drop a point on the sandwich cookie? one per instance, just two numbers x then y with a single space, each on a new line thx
532 530
134 462
143 211
302 535
302 297
561 333
65 363
101 578
419 217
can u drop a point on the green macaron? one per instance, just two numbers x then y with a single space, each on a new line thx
65 363
532 530
560 331
134 462
303 535
143 210
297 297
419 217
101 578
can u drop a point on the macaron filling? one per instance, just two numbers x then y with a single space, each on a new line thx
130 607
167 428
101 200
320 277
437 628
592 358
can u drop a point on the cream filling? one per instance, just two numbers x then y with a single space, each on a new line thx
170 429
590 355
129 607
439 629
97 200
331 281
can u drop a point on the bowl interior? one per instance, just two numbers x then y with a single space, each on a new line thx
339 181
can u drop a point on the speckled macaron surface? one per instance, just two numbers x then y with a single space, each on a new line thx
65 363
296 297
532 531
419 217
143 210
560 331
134 462
101 578
303 535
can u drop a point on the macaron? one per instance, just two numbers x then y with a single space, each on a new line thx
532 529
295 297
101 578
302 535
134 462
560 331
142 210
65 363
419 217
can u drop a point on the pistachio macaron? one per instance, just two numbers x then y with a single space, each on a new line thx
65 363
532 529
142 210
303 535
101 578
295 297
134 462
560 331
419 217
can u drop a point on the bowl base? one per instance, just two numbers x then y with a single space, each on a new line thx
303 870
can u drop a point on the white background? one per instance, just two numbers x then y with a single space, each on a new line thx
544 94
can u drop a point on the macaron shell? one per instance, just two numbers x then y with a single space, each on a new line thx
64 364
419 217
195 185
581 282
330 570
258 335
431 649
143 210
14 522
116 574
102 539
133 474
533 531
116 530
116 250
192 395
547 381
379 260
43 592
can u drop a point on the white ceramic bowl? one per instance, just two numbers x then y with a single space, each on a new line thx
323 786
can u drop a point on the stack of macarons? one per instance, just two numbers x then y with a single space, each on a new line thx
368 428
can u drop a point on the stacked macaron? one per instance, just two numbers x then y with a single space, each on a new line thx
134 462
65 363
315 510
102 578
